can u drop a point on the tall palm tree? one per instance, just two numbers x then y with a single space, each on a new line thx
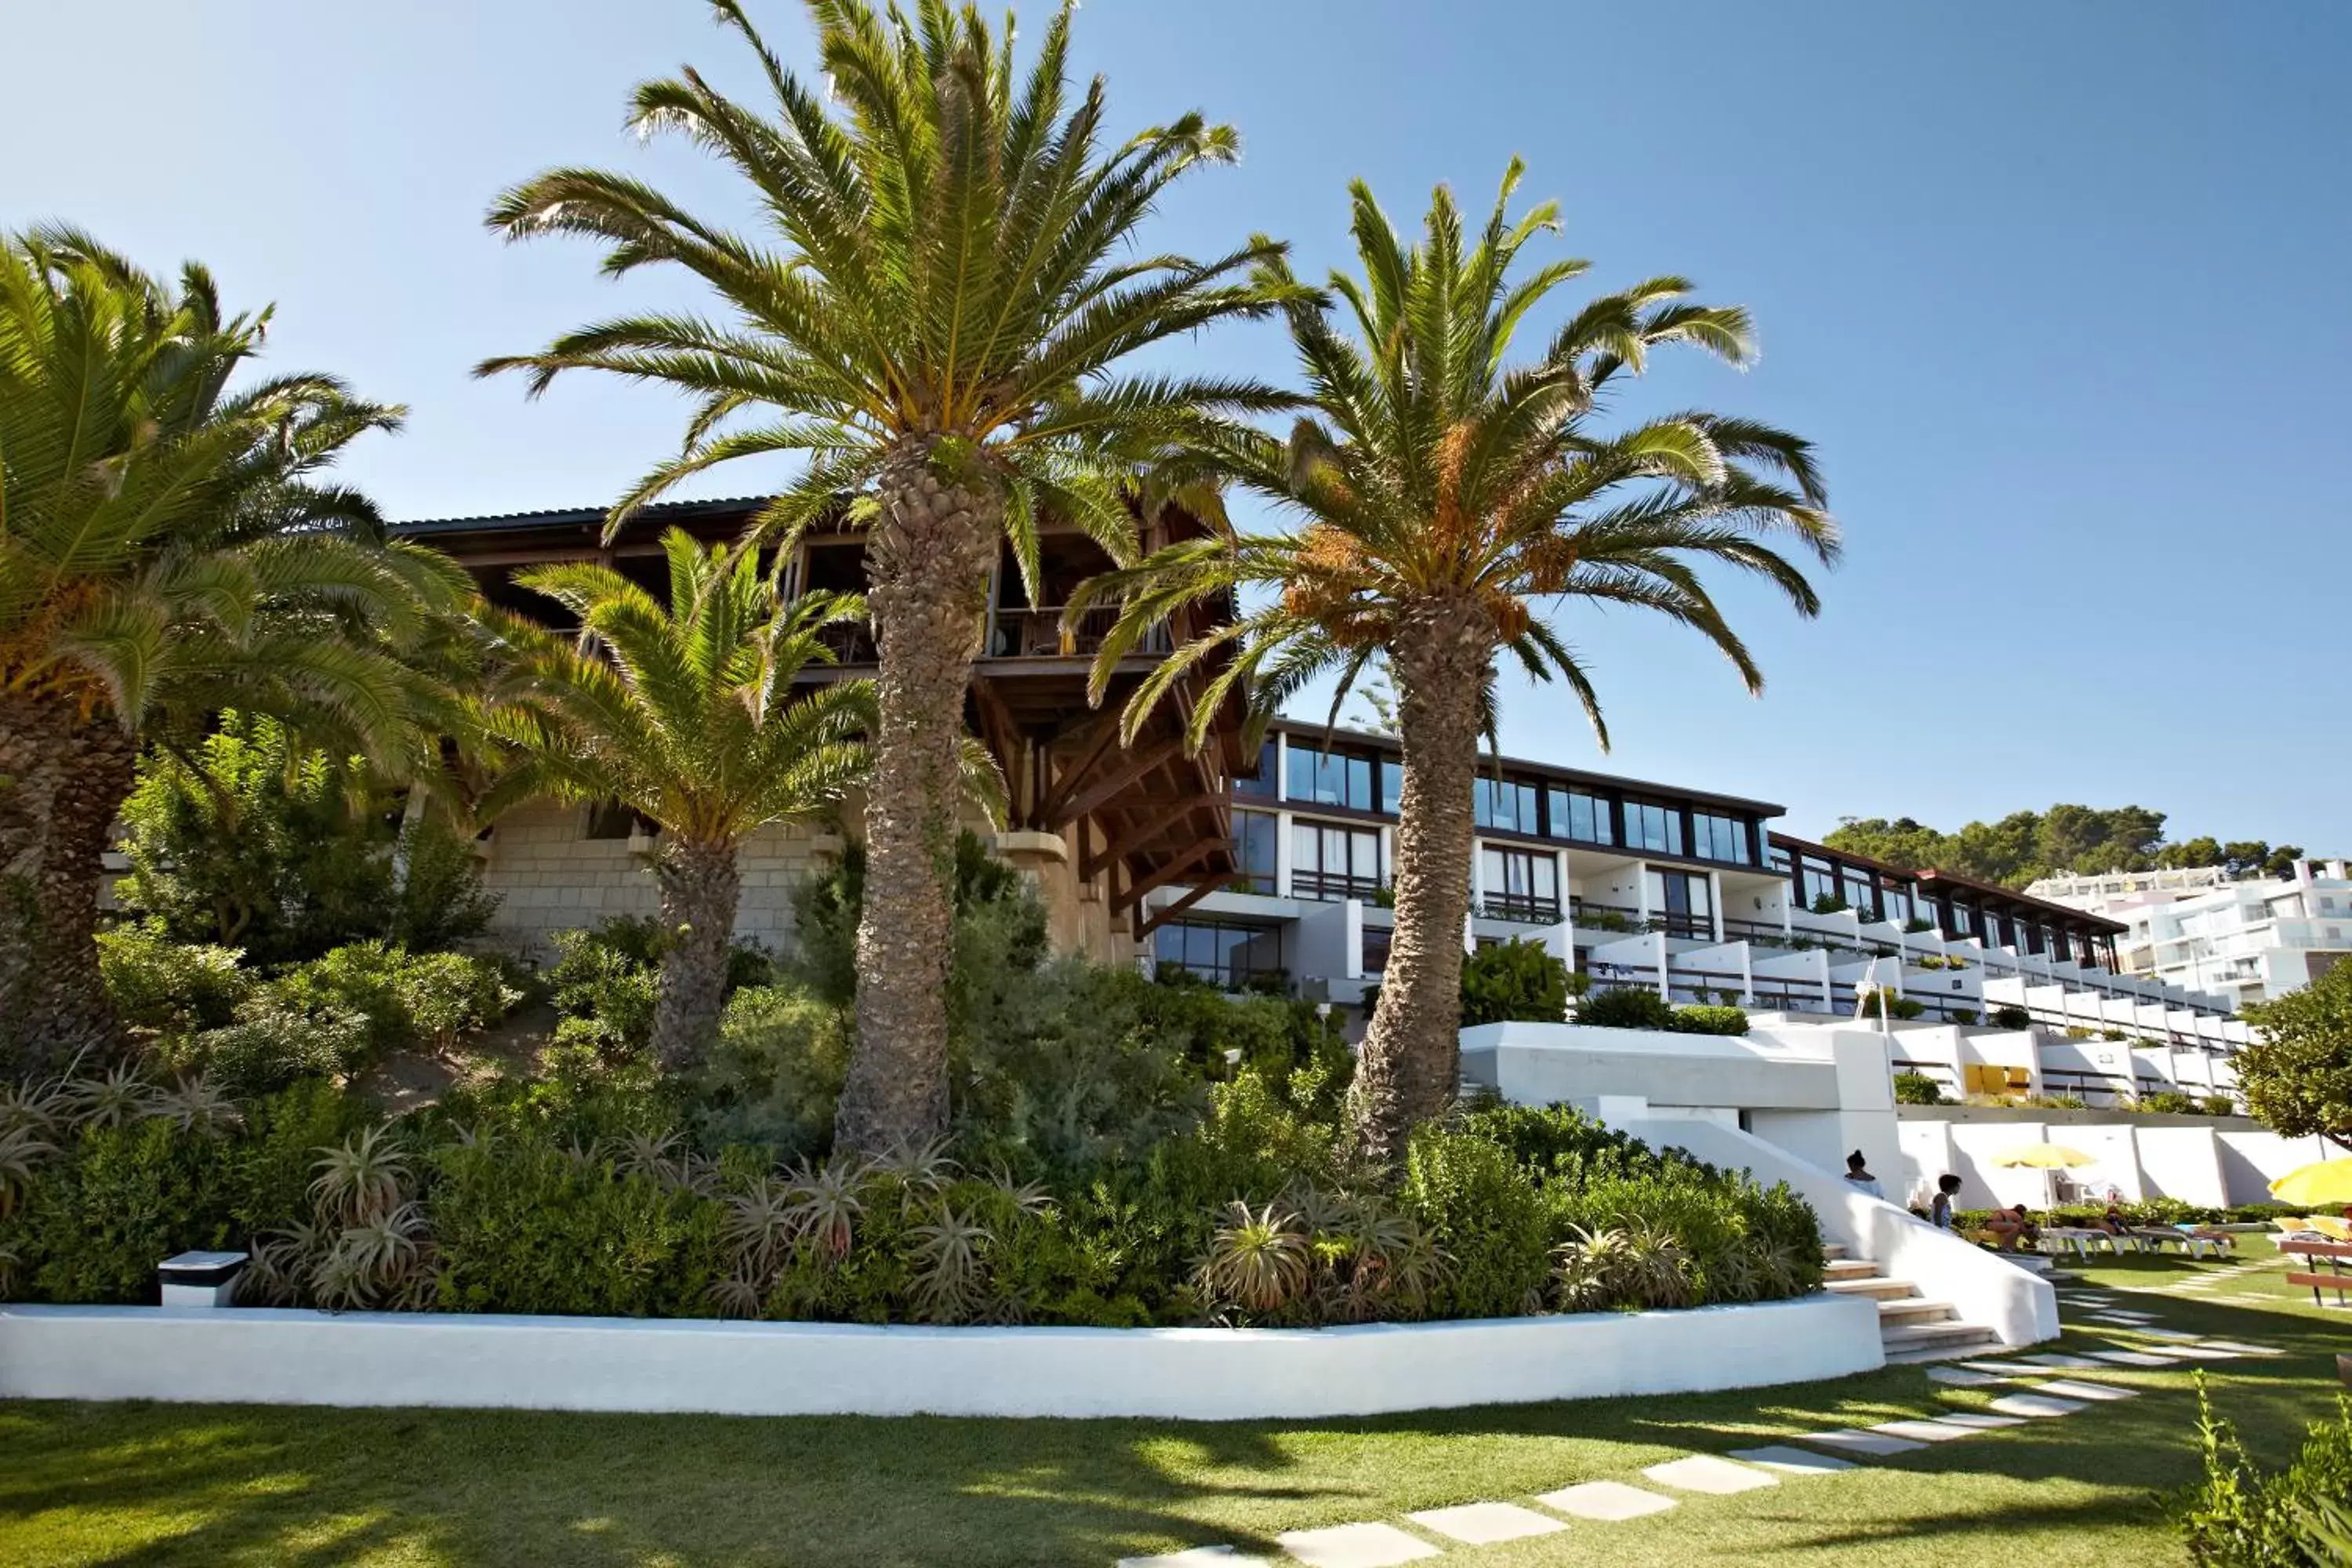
936 325
689 714
167 550
1453 505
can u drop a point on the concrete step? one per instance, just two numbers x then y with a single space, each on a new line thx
1849 1268
1911 1310
1832 1250
1884 1289
1938 1341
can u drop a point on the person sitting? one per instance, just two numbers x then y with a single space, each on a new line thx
1858 1170
1939 1213
2012 1228
2112 1222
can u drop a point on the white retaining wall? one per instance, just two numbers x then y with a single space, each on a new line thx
282 1357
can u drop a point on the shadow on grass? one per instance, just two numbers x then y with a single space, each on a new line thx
155 1484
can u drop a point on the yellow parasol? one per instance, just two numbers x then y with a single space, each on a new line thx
2329 1182
2044 1157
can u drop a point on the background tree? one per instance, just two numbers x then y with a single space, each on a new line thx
2297 1075
691 715
167 550
1453 504
2026 846
937 325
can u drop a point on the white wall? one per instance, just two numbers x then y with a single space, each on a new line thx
279 1357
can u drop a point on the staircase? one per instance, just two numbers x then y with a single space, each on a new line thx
1911 1327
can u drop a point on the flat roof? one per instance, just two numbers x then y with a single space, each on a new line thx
1929 874
581 516
1546 770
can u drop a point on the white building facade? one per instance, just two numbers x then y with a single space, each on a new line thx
2246 940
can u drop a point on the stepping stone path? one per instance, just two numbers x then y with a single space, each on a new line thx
1795 1461
1480 1523
1705 1473
2041 1396
1608 1501
1356 1546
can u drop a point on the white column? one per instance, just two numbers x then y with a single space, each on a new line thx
1642 891
1477 875
1715 901
1282 856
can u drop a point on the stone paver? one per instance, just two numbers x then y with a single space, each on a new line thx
2005 1368
1608 1501
2204 1353
1197 1557
2243 1347
2034 1404
2067 1388
2155 1333
1795 1461
1960 1377
2062 1363
1979 1419
1705 1473
2136 1358
1925 1431
1479 1523
1355 1546
1849 1441
2115 1320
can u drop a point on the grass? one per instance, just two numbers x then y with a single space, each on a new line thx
158 1484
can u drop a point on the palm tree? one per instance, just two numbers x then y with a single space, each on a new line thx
691 715
1453 504
935 326
167 550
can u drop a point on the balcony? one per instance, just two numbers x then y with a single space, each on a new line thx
1011 633
1525 908
1331 888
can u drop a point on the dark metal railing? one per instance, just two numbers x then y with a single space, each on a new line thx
1523 907
1332 888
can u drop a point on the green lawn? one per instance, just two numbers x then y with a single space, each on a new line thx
122 1484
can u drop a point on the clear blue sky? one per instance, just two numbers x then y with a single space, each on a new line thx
2055 289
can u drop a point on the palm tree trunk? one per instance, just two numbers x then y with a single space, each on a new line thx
1411 1064
62 780
927 565
700 886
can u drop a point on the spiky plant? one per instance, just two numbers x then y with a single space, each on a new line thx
939 323
1589 1270
763 1219
362 1180
36 1108
1260 1260
169 550
1452 506
827 1202
21 1154
115 1098
192 1105
949 1274
693 715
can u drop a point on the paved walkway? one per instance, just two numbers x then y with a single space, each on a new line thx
2044 1386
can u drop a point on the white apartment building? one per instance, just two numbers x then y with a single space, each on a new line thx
2247 940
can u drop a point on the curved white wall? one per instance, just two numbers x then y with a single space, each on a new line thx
274 1357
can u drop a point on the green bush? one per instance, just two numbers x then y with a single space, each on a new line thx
1626 1007
156 983
255 843
1489 1216
1885 1002
2011 1017
1918 1089
2170 1102
2219 1105
1963 1014
776 1069
2241 1516
273 1045
605 985
436 1000
1709 1021
1514 981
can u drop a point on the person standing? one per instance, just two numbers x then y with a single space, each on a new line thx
1858 1170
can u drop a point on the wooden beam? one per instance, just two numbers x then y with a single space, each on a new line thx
1095 739
1169 872
1110 784
1139 840
1193 895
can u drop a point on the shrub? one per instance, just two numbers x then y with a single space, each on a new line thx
435 1000
605 985
1964 1016
1829 904
2240 1517
1885 1002
2170 1102
776 1069
124 1198
255 842
1709 1021
2220 1105
1468 1191
1515 980
156 983
1626 1007
1918 1089
272 1045
2011 1017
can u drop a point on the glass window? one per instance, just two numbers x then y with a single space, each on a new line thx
1817 883
1268 772
1519 884
1391 786
1329 778
1255 842
1581 816
1776 856
1334 863
1683 903
1898 904
1716 838
1859 893
1649 826
1506 805
1232 956
1376 949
